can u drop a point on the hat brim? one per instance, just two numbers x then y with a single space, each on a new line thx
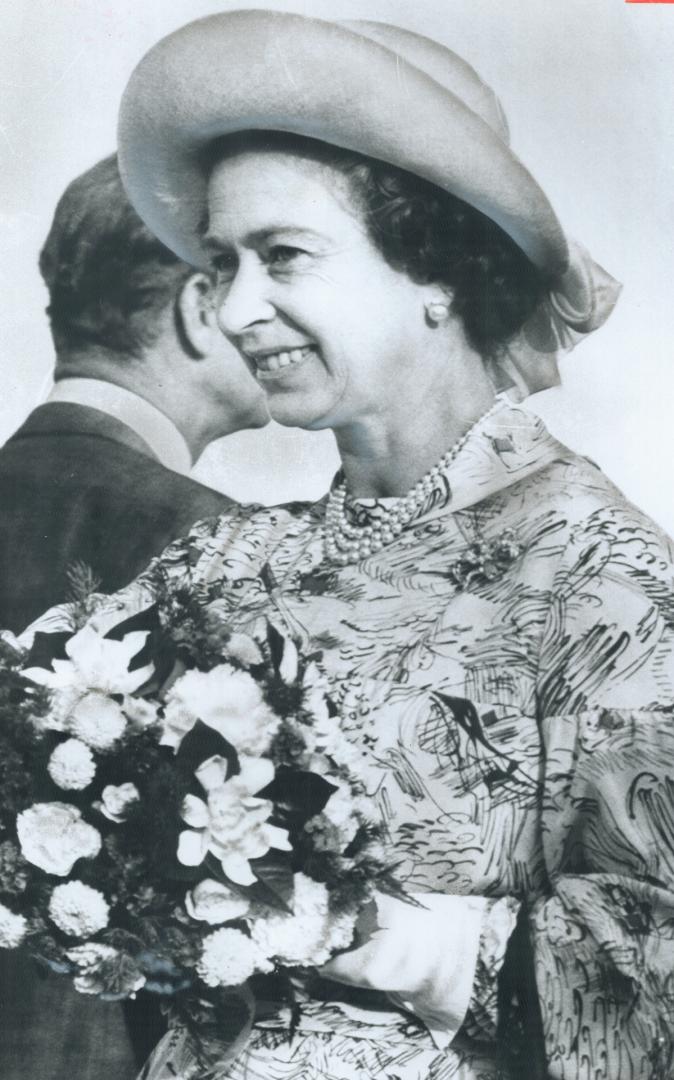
263 70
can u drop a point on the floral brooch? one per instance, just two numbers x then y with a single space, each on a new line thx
485 560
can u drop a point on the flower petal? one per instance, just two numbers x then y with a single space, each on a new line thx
132 643
195 812
255 773
237 868
135 679
45 678
277 838
192 847
84 646
212 773
289 662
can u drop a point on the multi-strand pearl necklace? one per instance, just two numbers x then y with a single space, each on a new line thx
346 543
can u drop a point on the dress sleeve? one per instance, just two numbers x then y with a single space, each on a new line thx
603 936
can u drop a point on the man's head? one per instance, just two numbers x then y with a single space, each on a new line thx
125 309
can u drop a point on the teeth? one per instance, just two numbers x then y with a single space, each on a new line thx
286 358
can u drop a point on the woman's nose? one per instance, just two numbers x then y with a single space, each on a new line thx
244 301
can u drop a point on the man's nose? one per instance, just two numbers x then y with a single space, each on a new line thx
245 300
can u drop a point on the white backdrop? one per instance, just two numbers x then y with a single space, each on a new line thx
588 86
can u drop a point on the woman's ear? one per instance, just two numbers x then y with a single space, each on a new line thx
197 315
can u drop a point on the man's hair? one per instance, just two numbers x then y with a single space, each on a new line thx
109 278
430 234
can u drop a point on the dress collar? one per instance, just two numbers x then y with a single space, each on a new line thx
151 425
502 448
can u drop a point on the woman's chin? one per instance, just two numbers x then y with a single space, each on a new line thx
302 406
299 414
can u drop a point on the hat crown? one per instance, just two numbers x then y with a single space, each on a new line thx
378 90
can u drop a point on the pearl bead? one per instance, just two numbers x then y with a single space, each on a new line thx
346 542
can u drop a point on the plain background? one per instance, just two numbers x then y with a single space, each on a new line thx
588 87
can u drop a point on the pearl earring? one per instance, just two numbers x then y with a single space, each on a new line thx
437 312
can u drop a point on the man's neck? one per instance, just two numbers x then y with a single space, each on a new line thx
157 377
155 429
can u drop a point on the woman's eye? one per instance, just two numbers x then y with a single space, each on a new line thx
281 256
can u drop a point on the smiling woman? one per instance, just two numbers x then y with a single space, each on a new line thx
492 617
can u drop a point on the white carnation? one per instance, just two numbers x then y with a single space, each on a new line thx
90 959
345 811
225 699
176 722
141 713
116 800
311 934
97 720
53 836
12 928
212 902
228 958
243 649
79 910
72 765
61 705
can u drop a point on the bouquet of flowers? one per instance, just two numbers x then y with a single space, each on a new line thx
180 812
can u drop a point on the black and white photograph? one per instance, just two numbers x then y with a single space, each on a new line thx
336 570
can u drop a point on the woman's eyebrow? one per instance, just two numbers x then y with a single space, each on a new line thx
260 236
287 230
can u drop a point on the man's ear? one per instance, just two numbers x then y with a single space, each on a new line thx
196 314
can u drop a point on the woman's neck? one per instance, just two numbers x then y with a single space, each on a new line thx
385 456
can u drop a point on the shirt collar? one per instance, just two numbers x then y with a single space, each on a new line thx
151 425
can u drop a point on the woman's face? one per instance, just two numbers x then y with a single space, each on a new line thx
327 327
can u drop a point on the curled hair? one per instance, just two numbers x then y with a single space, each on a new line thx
109 278
436 237
430 234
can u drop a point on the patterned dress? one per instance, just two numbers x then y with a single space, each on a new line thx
506 668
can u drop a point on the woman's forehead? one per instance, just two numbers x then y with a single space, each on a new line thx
259 190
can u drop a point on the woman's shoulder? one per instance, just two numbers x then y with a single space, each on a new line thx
574 489
572 513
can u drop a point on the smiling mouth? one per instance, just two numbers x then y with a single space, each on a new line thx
269 364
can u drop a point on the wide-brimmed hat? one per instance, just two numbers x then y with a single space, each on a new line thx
379 90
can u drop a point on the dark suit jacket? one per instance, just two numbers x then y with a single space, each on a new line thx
76 484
